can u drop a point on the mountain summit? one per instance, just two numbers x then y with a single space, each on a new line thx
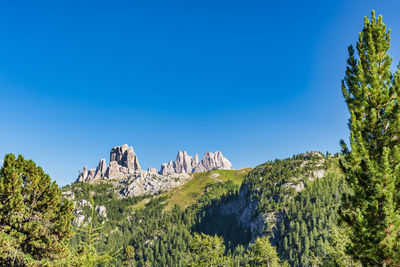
129 179
188 164
123 160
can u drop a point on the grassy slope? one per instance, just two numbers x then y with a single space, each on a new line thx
188 193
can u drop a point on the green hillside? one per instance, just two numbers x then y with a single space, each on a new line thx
160 227
187 194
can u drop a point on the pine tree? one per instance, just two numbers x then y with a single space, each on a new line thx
35 223
262 253
87 253
208 251
372 167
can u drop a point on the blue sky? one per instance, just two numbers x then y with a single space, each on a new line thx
257 80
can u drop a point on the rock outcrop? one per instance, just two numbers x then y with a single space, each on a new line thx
123 161
244 207
146 183
188 164
152 170
167 168
101 169
124 171
125 156
213 161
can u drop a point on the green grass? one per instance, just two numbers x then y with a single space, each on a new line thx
187 194
140 205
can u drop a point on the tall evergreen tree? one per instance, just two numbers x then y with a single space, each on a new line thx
35 223
372 167
87 254
262 253
129 256
208 251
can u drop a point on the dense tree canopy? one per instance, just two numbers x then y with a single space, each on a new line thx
262 253
35 223
372 167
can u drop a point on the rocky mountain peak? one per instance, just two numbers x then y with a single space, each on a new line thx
123 160
125 156
188 164
124 170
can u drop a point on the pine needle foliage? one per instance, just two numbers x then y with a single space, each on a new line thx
262 253
129 256
35 223
372 166
207 251
87 253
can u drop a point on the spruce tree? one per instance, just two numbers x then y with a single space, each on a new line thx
262 253
87 253
35 223
372 166
208 251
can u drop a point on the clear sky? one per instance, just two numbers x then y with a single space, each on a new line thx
257 80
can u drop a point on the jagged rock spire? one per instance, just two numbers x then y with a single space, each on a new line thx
188 164
122 160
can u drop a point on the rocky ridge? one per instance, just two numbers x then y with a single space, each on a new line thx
123 161
125 173
185 163
244 207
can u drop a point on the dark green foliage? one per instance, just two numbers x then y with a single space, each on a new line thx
209 219
372 167
273 183
129 256
158 236
301 231
305 230
301 223
87 254
35 223
207 251
262 253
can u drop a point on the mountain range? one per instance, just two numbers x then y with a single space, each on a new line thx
156 208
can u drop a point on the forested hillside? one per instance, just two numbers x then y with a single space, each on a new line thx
158 227
292 201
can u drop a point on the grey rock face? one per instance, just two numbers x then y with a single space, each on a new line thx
91 173
212 161
82 174
123 161
125 173
167 168
188 164
142 183
101 169
125 156
152 170
101 210
113 170
195 161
